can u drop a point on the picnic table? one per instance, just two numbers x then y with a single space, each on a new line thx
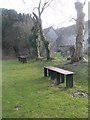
59 75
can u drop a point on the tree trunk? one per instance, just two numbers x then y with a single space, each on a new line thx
79 50
38 52
48 53
72 51
79 54
41 37
45 42
38 43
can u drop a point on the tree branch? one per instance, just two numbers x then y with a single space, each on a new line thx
35 8
35 16
84 3
74 19
39 5
46 4
41 9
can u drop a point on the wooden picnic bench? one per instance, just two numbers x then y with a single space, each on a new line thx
22 59
59 75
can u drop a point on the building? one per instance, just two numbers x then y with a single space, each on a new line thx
67 38
51 36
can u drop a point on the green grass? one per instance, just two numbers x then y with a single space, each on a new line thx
24 85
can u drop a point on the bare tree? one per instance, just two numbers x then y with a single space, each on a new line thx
78 50
41 37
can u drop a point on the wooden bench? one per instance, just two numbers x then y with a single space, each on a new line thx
22 59
59 75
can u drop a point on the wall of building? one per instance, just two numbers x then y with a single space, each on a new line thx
67 37
51 35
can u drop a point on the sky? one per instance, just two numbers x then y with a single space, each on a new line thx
58 14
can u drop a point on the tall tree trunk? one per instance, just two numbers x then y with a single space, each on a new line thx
47 50
38 43
45 42
38 35
72 52
41 37
79 48
38 52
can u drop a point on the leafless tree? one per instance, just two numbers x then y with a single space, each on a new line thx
41 37
78 50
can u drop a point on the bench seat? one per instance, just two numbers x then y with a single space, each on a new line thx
59 70
59 74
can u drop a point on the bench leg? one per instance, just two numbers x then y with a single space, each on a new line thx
19 58
25 60
45 72
58 78
49 73
52 75
62 78
69 81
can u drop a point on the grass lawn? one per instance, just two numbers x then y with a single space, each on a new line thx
28 94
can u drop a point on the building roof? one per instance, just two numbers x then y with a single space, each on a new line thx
46 30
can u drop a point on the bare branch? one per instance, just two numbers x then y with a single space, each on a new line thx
46 4
84 3
35 8
41 9
35 16
39 5
73 19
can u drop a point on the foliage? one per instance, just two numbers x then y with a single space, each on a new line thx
16 31
41 39
22 34
33 38
8 19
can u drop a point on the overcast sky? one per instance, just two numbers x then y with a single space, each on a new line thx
58 14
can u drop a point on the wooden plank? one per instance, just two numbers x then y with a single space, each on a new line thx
22 56
49 73
24 60
45 72
59 70
58 78
52 75
62 78
21 59
69 81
